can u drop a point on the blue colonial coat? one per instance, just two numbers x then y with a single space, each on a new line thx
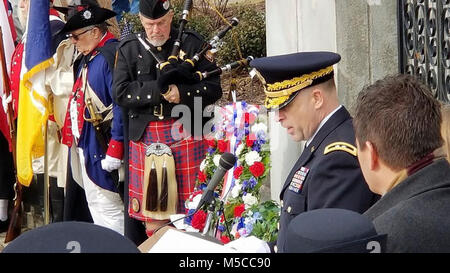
99 77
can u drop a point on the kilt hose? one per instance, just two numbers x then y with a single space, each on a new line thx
187 152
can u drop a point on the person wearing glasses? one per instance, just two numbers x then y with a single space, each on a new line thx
93 124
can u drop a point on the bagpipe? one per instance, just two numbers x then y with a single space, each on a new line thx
174 70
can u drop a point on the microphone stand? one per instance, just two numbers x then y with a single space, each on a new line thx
211 210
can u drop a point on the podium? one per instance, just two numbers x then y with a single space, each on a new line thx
171 240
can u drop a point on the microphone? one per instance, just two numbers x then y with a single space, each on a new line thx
226 162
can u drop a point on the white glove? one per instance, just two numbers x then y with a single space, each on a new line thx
6 101
110 164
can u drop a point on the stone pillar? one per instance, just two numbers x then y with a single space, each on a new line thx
293 26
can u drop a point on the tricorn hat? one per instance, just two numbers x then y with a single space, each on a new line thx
332 230
283 76
154 9
87 15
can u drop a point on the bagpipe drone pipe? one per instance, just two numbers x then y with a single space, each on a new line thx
176 70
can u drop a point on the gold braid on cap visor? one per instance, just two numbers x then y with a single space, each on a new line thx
279 92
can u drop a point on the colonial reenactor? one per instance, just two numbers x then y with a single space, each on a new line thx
93 124
149 108
57 193
301 88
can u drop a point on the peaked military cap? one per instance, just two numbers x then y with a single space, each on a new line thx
154 9
332 230
75 237
87 15
283 76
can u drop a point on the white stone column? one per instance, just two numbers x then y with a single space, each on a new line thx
293 26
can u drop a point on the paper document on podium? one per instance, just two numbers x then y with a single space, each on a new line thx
173 241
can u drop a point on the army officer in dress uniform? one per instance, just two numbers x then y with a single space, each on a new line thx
301 88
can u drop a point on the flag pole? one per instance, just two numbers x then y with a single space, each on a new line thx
46 179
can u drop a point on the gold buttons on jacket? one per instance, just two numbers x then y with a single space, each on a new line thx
289 209
149 96
188 93
138 98
275 248
129 96
281 202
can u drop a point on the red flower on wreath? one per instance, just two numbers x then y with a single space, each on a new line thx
222 145
198 220
211 143
225 239
257 169
201 176
249 141
238 210
237 172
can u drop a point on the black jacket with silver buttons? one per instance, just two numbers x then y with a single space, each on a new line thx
135 82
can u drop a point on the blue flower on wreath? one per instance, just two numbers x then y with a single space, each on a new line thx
241 223
221 228
245 185
256 146
252 182
188 220
257 216
211 150
202 186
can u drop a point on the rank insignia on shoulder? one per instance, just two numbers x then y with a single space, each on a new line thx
340 146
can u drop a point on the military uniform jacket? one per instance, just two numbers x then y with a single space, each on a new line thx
136 89
415 213
99 77
327 175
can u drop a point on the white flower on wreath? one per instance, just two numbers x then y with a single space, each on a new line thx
252 157
249 200
194 203
259 127
236 189
216 160
239 149
203 165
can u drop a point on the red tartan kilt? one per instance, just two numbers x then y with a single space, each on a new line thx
188 154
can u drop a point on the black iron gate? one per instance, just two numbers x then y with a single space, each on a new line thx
424 42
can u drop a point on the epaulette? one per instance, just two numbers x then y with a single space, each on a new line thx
340 146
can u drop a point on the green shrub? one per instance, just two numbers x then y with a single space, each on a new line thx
250 34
